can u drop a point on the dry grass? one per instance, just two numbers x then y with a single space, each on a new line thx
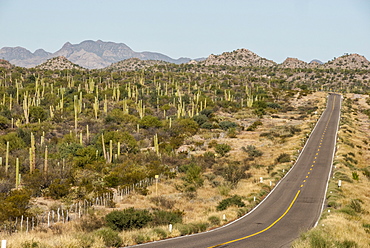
199 208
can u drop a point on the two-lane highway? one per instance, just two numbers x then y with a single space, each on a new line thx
293 206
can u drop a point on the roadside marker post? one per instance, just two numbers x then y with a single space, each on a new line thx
3 243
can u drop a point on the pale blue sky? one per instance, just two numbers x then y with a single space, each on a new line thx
274 29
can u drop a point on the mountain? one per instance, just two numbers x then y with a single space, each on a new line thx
316 61
88 54
239 57
58 63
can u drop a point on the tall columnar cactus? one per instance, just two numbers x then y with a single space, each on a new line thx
26 108
7 158
17 173
32 154
96 107
103 146
76 110
156 145
110 151
87 133
46 161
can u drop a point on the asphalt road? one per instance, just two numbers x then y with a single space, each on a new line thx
294 205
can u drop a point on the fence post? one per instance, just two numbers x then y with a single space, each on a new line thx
3 243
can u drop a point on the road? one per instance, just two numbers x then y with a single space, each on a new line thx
293 206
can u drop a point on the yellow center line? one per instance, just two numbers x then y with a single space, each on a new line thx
254 234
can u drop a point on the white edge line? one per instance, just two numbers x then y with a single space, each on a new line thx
331 166
232 222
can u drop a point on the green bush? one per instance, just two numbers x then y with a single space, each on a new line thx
283 158
252 151
254 126
161 217
214 220
186 229
58 189
109 236
225 125
160 232
235 200
222 149
14 204
129 218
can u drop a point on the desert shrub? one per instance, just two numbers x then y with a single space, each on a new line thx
283 158
233 172
235 200
207 125
193 175
252 151
37 113
200 119
58 189
366 172
129 218
4 122
30 244
141 238
150 121
346 244
254 125
110 237
207 112
355 175
162 201
160 232
91 222
225 125
186 229
161 217
14 204
231 133
356 205
214 220
222 149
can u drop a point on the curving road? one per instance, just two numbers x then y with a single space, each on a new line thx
293 206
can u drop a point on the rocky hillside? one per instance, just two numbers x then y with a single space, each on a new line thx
240 57
134 64
349 61
293 63
88 54
59 63
5 64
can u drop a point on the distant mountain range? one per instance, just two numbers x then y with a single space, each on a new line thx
118 56
88 54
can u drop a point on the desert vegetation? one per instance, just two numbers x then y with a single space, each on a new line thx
108 158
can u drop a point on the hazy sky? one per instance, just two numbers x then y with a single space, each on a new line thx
274 29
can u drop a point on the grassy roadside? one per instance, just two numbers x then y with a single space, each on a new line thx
345 221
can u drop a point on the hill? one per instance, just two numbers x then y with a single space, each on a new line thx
88 54
239 57
349 61
58 63
134 64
